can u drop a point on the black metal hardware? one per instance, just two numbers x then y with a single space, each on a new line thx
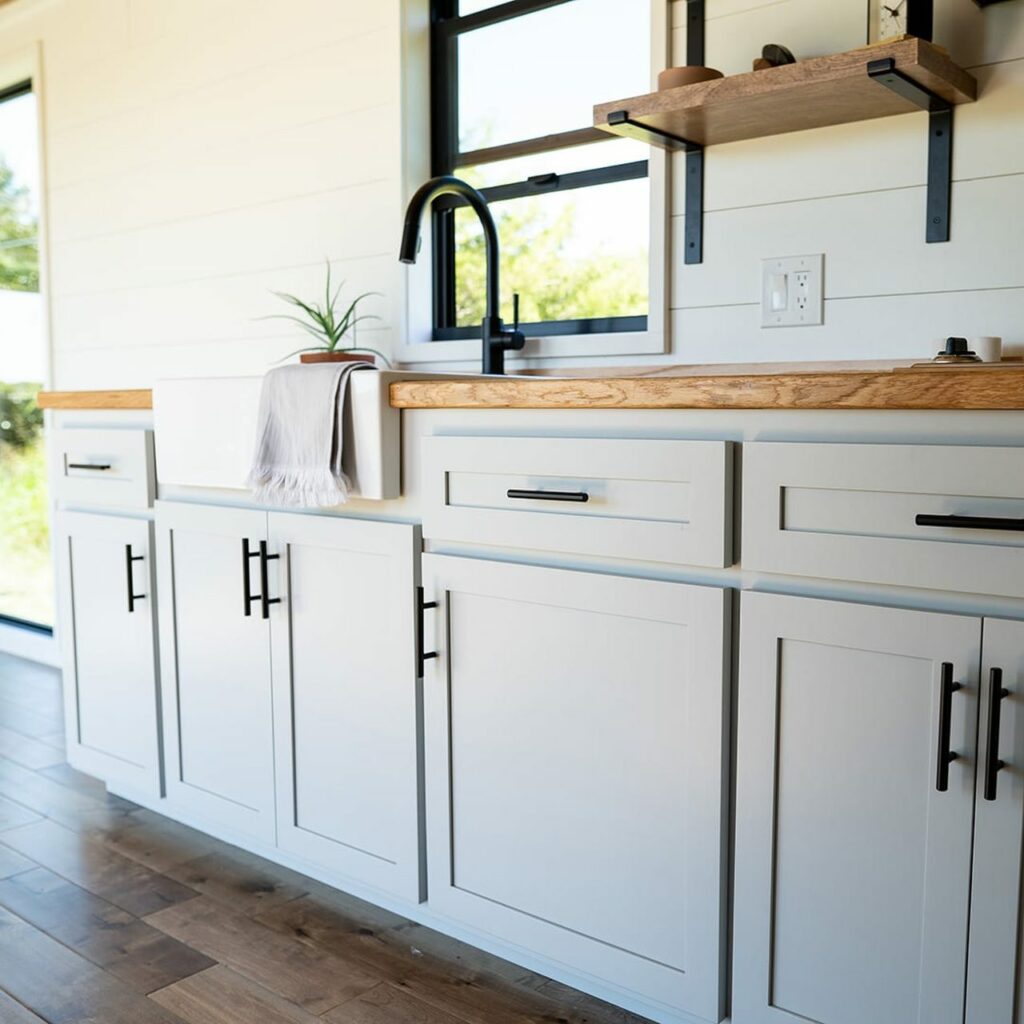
945 756
129 558
921 19
265 599
422 657
996 695
98 466
447 27
694 192
940 142
695 32
971 522
578 496
247 596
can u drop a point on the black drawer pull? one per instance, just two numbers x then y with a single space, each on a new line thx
265 599
99 467
247 595
129 558
422 657
945 756
996 695
578 496
971 522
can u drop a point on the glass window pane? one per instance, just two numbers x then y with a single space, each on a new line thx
25 573
542 73
571 255
561 161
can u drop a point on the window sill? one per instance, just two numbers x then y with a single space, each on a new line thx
565 346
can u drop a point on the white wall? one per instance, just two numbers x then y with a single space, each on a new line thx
856 193
203 152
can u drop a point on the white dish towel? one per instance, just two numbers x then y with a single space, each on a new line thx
300 436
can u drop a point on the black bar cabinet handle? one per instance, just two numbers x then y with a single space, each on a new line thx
971 522
247 595
129 558
580 496
265 599
97 466
945 756
996 695
422 657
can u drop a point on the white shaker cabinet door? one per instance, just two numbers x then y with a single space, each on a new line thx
218 722
346 698
575 729
995 976
111 698
853 860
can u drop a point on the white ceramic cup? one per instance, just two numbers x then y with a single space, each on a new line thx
989 349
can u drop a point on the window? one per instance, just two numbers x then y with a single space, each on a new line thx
513 88
26 577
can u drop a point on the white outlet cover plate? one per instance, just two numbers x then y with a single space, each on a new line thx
802 310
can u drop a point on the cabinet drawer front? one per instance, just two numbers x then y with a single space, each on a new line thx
647 500
575 753
108 468
934 516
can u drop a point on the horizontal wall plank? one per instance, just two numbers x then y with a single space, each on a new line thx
873 244
266 167
195 45
883 327
140 365
321 82
230 306
342 224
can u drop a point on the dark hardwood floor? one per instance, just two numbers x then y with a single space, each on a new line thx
112 914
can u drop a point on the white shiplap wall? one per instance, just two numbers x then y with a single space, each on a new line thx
203 152
199 154
856 193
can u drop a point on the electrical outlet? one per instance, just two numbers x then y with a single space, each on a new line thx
792 291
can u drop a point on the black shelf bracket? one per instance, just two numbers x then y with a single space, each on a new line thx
940 143
694 231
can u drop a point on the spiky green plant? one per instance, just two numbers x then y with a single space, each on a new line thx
325 323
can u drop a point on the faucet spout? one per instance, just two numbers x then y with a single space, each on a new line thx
496 340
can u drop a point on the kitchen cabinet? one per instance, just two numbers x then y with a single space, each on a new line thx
995 978
576 751
109 649
346 698
215 644
853 849
290 679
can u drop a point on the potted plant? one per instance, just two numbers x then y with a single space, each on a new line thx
329 327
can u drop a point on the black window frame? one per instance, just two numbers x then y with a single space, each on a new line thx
446 26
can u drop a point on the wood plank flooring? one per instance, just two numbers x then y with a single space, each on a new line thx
111 913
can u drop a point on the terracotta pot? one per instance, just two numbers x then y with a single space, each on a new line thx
337 357
691 74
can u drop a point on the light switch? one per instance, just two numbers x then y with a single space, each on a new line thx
780 293
792 291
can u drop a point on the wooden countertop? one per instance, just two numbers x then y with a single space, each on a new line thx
864 385
756 386
137 399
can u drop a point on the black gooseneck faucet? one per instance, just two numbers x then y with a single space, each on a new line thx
496 340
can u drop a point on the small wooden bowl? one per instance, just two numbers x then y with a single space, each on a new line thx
691 74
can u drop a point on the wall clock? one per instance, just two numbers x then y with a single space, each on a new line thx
888 18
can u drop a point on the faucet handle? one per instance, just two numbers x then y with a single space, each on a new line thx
515 311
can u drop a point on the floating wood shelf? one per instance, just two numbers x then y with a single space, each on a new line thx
809 94
894 77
